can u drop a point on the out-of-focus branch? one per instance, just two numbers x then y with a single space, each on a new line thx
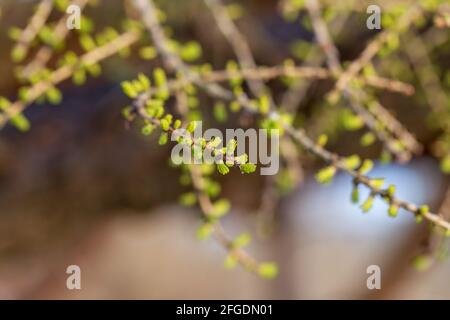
66 71
373 48
206 206
293 96
32 29
44 54
417 52
149 17
332 54
237 41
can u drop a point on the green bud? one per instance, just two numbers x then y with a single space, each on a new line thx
163 138
267 270
322 140
188 199
165 124
230 261
247 168
326 175
235 106
147 129
391 190
160 77
233 68
352 162
264 104
54 96
191 126
191 51
177 124
220 112
24 94
222 168
393 210
144 80
355 195
94 69
20 122
350 121
148 53
138 86
366 166
367 139
368 204
87 42
4 103
79 77
18 54
220 208
129 89
424 210
213 188
205 231
445 164
419 218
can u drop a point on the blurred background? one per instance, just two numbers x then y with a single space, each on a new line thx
82 188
